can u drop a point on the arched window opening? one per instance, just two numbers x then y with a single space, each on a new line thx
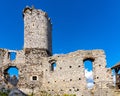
53 66
11 75
89 73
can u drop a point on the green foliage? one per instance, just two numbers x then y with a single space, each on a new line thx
31 95
4 92
56 95
44 93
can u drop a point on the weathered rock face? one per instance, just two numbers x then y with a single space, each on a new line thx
37 71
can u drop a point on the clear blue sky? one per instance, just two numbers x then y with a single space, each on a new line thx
77 25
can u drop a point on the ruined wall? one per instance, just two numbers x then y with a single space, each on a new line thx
28 62
69 74
36 70
33 68
2 55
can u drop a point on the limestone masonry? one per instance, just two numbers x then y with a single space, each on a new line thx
39 70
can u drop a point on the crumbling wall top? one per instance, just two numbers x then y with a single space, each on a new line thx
31 10
97 52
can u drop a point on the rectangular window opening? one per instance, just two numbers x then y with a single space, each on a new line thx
34 78
12 55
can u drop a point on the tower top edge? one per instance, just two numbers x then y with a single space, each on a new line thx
32 9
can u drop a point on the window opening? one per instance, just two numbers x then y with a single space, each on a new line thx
34 78
12 55
11 75
53 66
89 73
114 77
118 72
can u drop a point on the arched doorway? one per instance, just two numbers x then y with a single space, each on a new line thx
88 65
11 75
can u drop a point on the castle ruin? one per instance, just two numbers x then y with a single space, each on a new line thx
36 64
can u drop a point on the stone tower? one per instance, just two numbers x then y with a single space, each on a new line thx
37 44
37 30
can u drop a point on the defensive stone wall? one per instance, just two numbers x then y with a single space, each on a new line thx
69 74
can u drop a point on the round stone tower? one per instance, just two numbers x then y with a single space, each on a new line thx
37 30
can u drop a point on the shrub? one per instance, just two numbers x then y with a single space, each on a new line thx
3 94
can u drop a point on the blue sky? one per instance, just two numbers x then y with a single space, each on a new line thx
77 25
